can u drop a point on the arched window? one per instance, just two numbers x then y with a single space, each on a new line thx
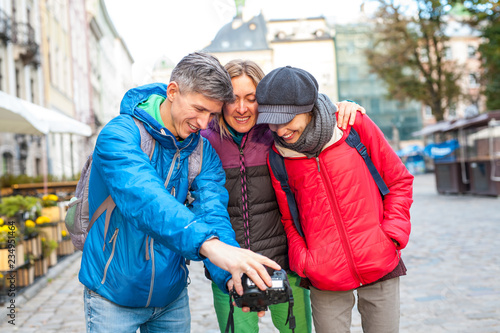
8 163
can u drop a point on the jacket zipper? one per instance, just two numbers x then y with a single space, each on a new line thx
113 239
152 283
169 175
340 225
151 244
244 194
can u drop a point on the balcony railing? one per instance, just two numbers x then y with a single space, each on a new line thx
4 26
23 35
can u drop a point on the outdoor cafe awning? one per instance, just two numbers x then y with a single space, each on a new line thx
23 117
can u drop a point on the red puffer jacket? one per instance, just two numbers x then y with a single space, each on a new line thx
348 228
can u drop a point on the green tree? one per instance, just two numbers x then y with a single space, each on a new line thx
486 17
409 54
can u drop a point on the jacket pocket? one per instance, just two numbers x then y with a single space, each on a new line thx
112 240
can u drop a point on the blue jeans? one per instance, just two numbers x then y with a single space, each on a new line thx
102 315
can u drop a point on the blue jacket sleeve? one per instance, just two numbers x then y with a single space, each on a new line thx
139 192
210 205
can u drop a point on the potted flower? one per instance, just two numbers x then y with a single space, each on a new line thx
32 240
50 208
65 246
49 229
11 248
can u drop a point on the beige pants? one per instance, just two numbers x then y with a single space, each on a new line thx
378 305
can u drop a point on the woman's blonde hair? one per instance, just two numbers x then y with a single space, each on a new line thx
236 68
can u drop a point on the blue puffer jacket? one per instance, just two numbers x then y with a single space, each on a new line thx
150 216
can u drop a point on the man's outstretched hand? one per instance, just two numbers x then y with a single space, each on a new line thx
238 261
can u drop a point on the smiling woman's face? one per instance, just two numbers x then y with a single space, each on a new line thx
242 114
291 131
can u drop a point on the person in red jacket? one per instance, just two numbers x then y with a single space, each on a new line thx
352 236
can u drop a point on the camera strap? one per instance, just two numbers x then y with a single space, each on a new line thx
230 318
290 319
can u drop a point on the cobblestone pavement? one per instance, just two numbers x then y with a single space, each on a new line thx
453 262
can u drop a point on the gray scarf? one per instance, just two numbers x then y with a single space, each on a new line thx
318 132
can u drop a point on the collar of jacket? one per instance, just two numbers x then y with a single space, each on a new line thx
163 136
138 95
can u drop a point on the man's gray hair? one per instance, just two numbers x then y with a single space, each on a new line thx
202 73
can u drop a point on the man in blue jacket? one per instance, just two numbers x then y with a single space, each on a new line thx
134 273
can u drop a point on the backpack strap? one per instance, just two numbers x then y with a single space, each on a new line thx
354 141
148 144
277 163
195 162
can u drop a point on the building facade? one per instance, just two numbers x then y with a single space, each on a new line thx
305 43
397 120
21 76
110 64
65 56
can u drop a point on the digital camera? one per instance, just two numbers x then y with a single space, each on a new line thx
258 300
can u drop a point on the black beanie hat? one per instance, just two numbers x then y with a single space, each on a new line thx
284 93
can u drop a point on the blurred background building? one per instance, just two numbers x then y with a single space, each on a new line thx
67 57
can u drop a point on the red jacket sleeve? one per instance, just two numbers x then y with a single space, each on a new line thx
297 248
396 222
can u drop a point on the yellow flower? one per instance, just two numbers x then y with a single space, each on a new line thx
51 197
5 228
43 239
64 233
42 219
1 276
29 223
1 221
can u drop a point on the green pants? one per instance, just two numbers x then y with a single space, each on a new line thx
249 322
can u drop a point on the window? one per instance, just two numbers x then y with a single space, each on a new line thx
38 166
32 89
375 105
428 112
18 84
8 166
471 51
473 80
447 53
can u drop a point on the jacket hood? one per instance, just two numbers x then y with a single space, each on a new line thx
138 95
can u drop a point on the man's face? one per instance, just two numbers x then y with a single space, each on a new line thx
189 112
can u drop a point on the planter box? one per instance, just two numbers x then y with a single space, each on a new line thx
65 247
54 213
41 267
52 258
33 246
25 276
18 257
51 231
